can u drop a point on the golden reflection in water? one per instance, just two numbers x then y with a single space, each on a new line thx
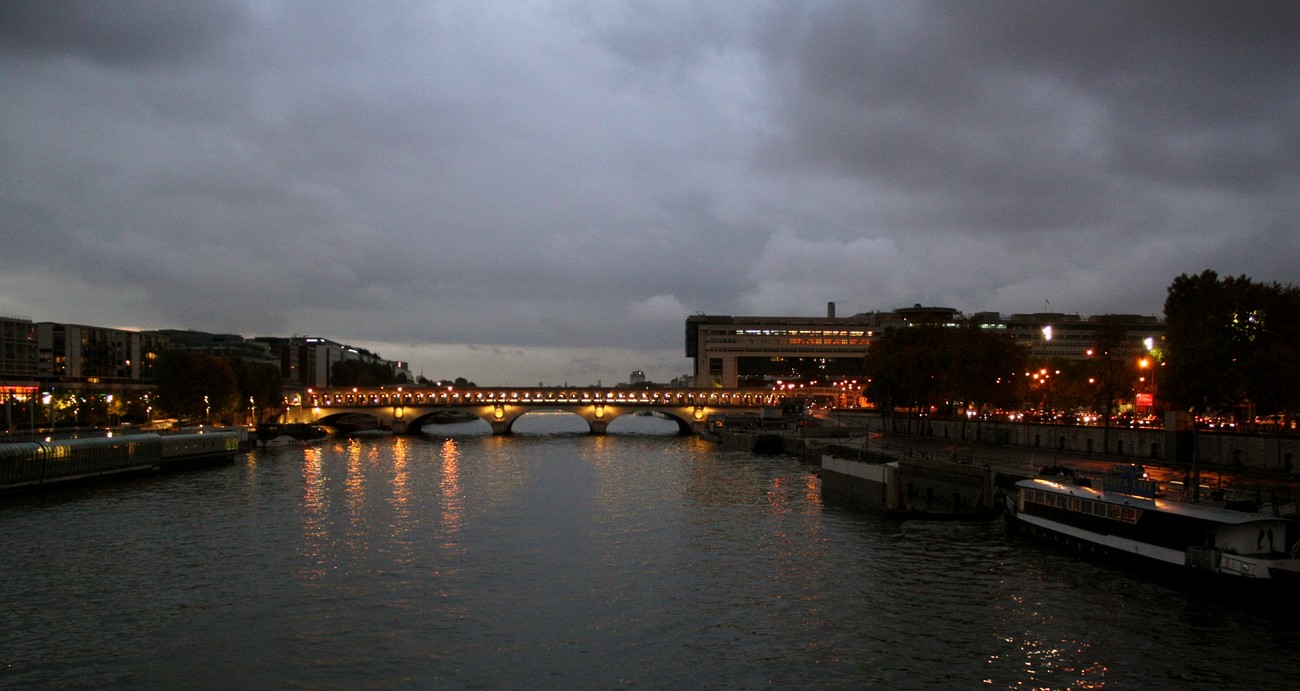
314 504
313 483
1047 663
250 476
812 489
354 486
778 497
401 475
453 501
789 545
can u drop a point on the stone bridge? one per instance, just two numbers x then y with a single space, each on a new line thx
408 409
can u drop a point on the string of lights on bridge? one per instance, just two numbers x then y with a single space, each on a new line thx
381 397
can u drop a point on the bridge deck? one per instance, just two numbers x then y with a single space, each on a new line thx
438 397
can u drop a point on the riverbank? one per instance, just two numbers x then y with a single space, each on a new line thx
1006 464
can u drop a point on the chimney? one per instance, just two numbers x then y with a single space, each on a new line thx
830 310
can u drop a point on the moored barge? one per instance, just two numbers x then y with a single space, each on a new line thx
1125 521
37 465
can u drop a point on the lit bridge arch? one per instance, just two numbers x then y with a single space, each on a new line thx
409 409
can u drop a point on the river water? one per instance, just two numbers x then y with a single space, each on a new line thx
556 559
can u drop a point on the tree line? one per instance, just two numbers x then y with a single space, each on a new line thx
1231 345
195 385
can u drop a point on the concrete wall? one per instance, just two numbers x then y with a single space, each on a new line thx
859 484
1257 452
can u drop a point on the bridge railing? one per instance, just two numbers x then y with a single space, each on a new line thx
431 397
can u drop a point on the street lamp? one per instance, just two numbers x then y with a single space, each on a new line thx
1150 343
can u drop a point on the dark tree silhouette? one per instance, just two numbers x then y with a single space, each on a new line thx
1232 341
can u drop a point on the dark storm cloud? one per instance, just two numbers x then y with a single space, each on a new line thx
543 188
1031 115
123 32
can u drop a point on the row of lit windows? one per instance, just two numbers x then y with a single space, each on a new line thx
784 343
1103 509
788 352
802 332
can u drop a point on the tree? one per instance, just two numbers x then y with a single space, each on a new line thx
195 385
924 366
983 367
1111 359
1230 342
260 385
900 367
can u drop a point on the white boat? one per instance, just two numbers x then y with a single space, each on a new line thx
1126 521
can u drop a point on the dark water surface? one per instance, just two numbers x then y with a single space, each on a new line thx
555 559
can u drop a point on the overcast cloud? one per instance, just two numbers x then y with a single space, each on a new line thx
543 191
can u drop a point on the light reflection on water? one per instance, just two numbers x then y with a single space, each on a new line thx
555 559
453 501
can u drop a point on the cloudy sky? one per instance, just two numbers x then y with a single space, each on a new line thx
521 192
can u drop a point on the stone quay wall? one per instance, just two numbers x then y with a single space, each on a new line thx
1273 453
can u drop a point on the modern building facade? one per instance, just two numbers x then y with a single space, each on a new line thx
226 345
60 375
19 361
96 355
19 366
760 351
308 361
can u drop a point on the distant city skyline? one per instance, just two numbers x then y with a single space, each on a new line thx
543 192
882 318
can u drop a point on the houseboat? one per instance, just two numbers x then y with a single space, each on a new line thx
1125 520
